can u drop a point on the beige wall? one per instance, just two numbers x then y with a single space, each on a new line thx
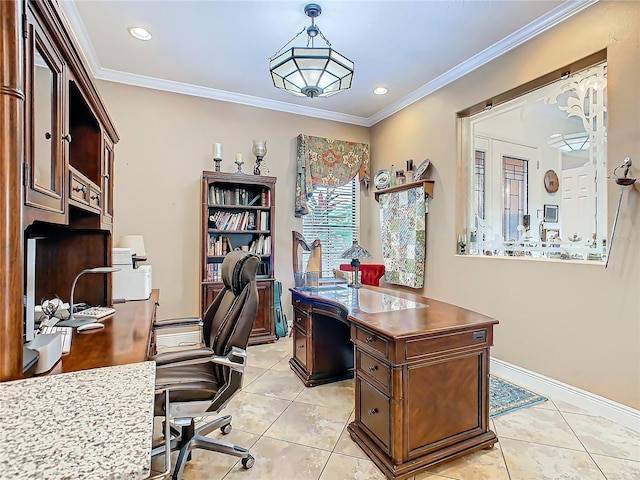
166 143
579 324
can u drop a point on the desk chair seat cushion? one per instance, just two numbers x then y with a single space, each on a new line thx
192 383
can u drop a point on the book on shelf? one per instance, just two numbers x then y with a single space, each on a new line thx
237 196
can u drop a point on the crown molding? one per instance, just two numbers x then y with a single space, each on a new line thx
517 38
550 19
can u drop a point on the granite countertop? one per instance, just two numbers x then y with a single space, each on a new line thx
92 424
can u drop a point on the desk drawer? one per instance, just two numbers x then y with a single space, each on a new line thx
375 371
79 189
300 346
94 197
443 343
301 320
371 340
374 413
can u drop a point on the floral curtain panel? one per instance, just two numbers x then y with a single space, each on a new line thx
403 222
330 162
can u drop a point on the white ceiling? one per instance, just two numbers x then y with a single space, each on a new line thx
220 49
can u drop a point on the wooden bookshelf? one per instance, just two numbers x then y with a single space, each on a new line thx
238 213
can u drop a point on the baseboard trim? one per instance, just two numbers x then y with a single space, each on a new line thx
590 402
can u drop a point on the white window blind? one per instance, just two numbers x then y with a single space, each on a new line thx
333 218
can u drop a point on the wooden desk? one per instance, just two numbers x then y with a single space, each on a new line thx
421 371
126 338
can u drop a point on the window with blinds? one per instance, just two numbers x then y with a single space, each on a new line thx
333 218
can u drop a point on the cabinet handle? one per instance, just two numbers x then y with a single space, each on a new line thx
371 339
373 368
96 197
82 189
106 175
47 135
67 137
300 346
373 411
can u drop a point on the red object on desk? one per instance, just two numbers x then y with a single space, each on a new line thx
370 273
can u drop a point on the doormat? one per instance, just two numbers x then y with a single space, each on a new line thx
505 397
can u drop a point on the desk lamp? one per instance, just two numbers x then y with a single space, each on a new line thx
76 322
355 252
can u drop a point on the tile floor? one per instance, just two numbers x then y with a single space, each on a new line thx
299 433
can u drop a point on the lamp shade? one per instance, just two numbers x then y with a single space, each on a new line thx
135 243
356 251
311 72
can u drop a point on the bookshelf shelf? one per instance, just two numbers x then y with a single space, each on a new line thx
232 204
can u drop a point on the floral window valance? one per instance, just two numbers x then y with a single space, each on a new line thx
330 162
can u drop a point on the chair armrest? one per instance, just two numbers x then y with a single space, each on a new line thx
171 359
236 359
178 322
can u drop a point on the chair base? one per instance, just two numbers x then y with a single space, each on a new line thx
190 438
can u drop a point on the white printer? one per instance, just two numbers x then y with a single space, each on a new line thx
130 283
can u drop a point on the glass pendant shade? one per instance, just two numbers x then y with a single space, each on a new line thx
311 72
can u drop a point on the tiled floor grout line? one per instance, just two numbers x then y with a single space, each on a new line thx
583 445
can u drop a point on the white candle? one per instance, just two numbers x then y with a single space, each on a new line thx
217 150
239 158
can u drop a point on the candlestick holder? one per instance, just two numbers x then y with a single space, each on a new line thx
260 150
217 161
239 162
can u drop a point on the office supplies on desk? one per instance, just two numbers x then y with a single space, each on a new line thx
67 334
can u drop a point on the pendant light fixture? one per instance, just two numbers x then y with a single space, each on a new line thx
311 71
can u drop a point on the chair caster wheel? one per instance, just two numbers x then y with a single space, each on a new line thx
248 462
226 429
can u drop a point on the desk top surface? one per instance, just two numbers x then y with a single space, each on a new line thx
125 338
93 424
394 313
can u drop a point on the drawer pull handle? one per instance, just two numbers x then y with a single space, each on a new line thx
373 411
480 335
300 346
96 197
373 368
82 189
371 339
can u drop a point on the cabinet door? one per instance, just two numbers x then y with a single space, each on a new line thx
45 125
107 183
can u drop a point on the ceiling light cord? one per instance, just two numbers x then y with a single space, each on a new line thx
287 44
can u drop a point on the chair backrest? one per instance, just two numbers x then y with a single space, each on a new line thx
229 319
299 244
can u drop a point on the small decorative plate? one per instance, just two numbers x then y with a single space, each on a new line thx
382 179
419 174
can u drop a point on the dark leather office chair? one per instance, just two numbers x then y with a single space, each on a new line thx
201 381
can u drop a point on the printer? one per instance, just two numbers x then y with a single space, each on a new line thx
130 283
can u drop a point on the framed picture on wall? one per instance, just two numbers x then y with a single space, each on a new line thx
551 213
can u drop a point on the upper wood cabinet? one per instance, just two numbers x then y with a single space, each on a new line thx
46 134
69 137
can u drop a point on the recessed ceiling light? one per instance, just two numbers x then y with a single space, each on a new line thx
380 90
140 33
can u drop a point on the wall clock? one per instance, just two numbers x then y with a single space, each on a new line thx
551 182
